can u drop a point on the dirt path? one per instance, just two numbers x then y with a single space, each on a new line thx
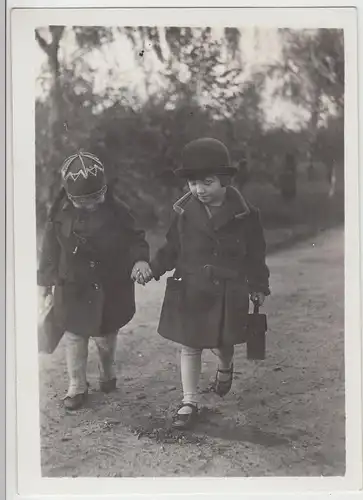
284 416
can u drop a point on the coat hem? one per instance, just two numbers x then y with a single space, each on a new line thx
198 346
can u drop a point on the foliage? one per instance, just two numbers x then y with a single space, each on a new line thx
311 72
205 92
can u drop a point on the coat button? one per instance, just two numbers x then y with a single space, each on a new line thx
92 263
96 286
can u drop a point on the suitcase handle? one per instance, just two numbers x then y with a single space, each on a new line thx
256 307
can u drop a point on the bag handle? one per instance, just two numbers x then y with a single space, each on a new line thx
256 307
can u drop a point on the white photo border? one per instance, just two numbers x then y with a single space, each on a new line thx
23 440
2 253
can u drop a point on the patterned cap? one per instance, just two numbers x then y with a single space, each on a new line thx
83 174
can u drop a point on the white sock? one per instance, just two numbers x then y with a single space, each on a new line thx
191 365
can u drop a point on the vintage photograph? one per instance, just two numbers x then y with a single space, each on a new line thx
190 250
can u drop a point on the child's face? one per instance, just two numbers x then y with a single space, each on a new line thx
208 190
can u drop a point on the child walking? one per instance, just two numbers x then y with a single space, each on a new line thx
91 253
216 246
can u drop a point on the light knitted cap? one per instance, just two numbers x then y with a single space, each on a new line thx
83 174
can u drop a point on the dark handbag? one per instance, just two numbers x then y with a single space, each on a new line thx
171 316
49 331
256 334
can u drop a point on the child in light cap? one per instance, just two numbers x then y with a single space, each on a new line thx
91 254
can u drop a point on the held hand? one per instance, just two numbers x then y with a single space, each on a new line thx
258 298
141 273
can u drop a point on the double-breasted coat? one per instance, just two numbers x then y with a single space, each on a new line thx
88 257
218 261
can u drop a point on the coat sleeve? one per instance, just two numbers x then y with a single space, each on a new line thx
139 247
257 271
47 274
167 256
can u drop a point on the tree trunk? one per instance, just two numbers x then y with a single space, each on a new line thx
56 105
56 122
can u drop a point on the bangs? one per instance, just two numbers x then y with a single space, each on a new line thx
201 176
225 179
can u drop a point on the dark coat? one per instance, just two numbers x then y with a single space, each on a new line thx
220 261
89 258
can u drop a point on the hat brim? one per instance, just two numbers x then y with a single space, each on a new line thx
184 173
89 196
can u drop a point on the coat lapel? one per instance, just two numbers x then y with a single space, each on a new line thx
234 207
196 213
198 216
65 218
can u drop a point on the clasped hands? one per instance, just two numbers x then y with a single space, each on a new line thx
142 273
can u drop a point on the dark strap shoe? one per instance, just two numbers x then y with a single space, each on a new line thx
75 402
183 421
222 387
108 386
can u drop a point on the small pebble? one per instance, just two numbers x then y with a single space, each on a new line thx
112 421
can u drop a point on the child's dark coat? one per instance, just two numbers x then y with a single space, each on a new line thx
220 260
94 294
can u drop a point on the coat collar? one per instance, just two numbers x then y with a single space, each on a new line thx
234 207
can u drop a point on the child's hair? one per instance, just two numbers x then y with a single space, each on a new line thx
225 179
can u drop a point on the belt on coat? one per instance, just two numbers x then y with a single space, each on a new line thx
223 273
213 272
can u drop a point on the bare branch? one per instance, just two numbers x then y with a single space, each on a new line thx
42 43
57 33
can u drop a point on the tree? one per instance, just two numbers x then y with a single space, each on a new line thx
201 66
90 37
49 40
311 73
141 140
51 49
312 67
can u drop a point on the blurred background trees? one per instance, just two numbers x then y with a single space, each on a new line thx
186 83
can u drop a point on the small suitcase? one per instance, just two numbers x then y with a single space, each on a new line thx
256 334
49 332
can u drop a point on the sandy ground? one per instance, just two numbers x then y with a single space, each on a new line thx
284 416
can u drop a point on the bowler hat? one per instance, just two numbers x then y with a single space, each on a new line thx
83 174
205 156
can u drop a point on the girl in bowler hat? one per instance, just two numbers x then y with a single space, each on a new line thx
216 247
